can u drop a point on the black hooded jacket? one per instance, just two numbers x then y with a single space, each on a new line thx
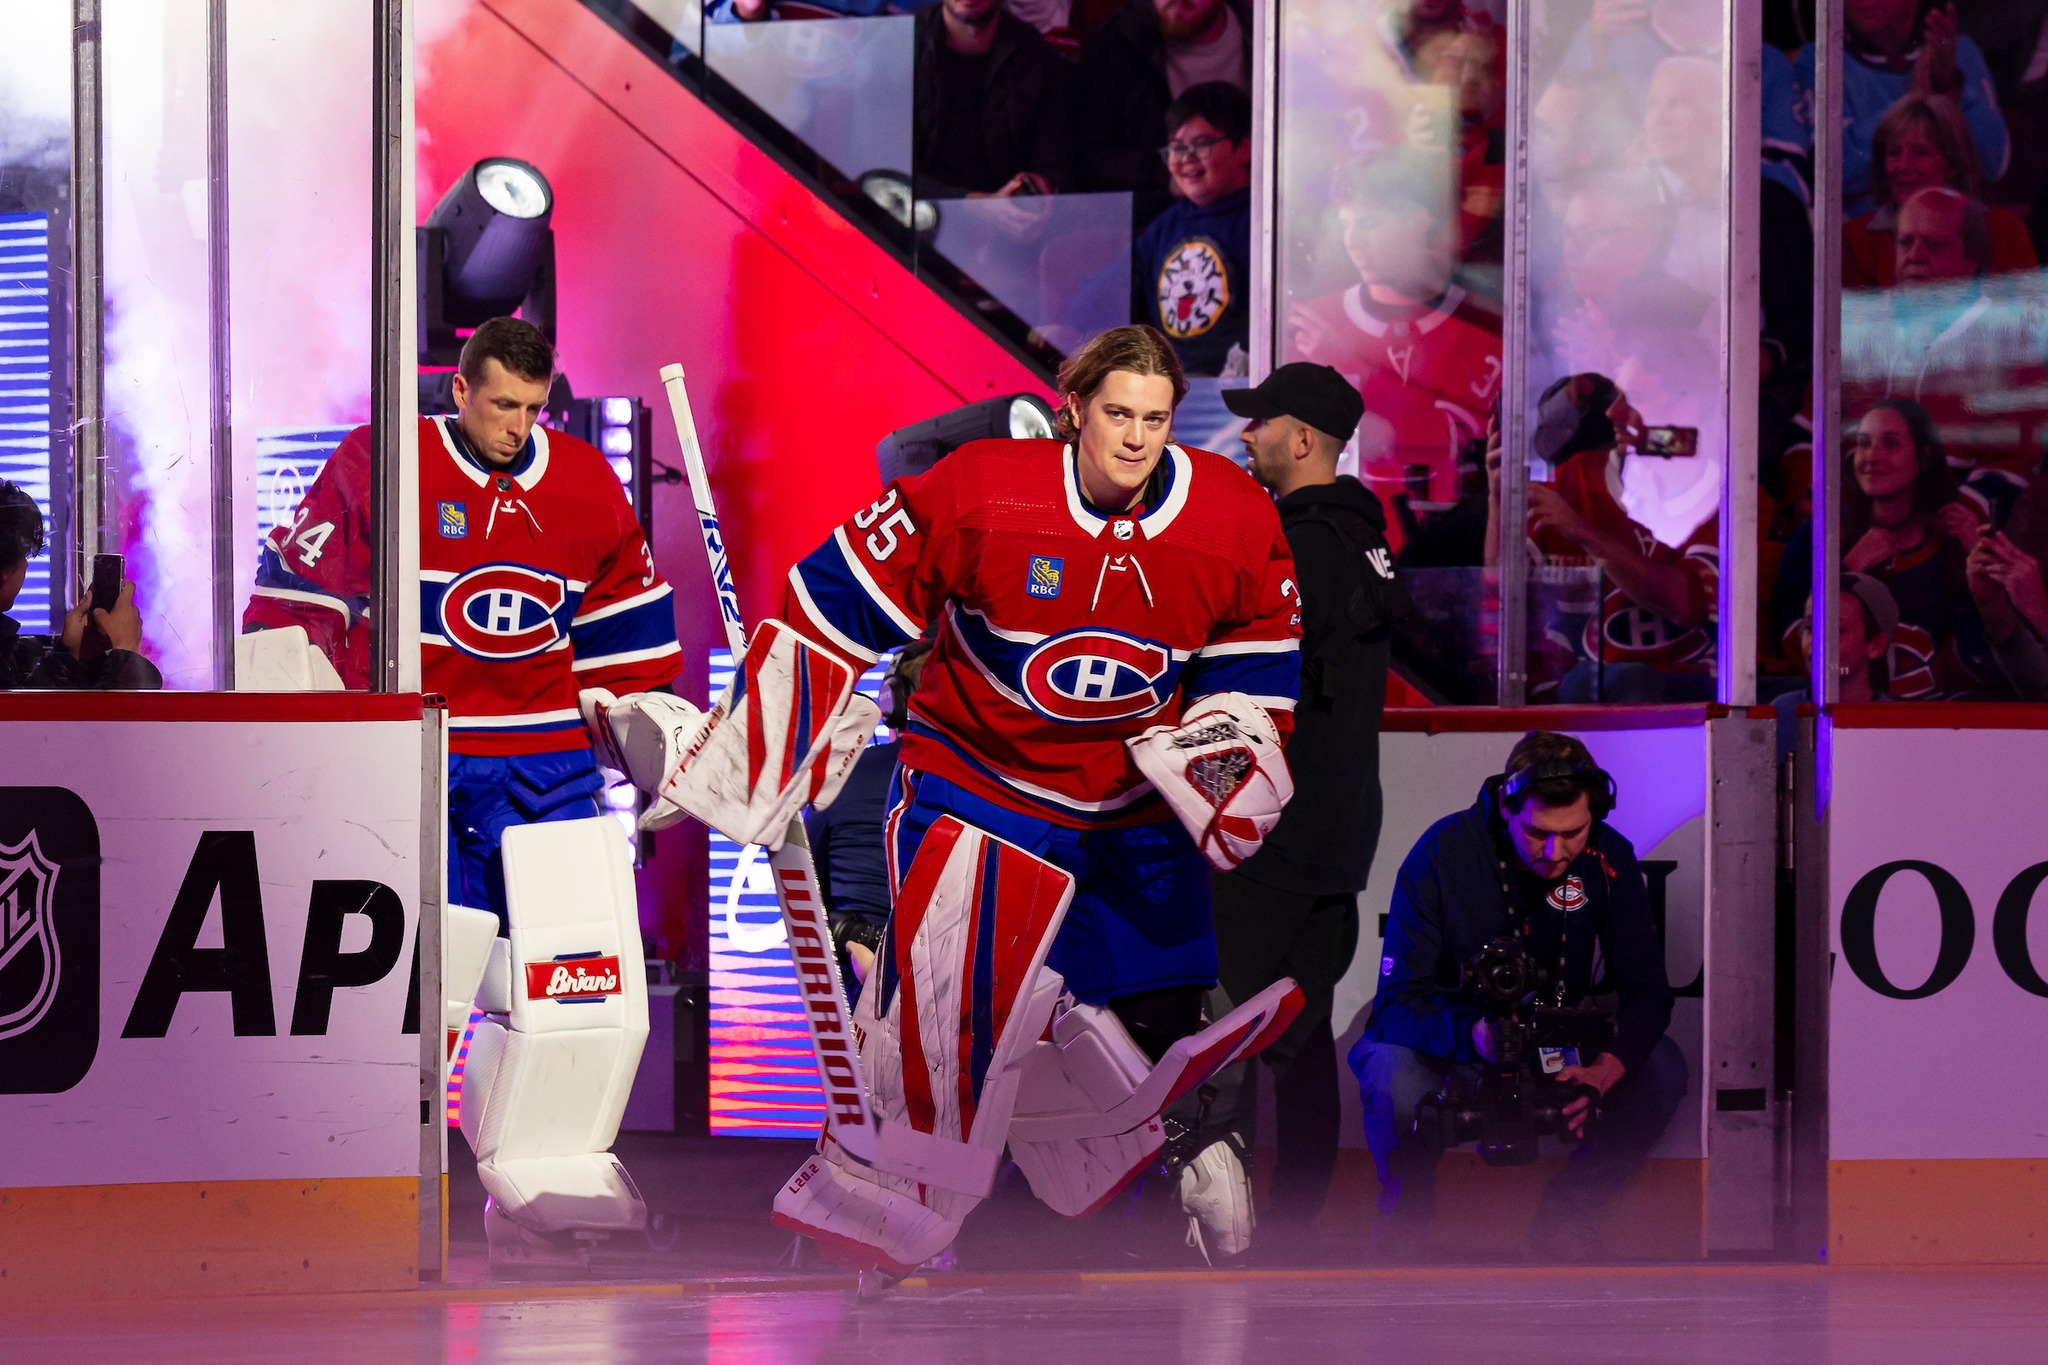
1350 604
38 662
1453 896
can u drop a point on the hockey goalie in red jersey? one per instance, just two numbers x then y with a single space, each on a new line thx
1100 719
535 584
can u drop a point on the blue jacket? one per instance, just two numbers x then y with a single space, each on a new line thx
1869 91
1451 898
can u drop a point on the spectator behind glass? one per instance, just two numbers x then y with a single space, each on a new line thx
1895 50
1470 64
1425 356
1682 145
99 650
1865 623
1653 637
2006 584
1615 302
1919 144
1137 63
992 105
1945 337
1188 267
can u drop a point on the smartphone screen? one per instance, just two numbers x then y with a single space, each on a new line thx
106 581
1671 443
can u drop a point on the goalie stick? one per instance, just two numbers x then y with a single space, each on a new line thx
896 1148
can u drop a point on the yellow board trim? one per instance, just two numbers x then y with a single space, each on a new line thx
198 1238
1978 1211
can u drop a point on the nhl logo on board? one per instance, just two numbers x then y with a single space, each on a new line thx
1122 529
1568 895
31 963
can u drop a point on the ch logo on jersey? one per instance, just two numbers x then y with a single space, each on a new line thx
1084 676
503 611
1568 895
1194 288
1043 578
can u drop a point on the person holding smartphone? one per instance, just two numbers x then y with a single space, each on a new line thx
101 647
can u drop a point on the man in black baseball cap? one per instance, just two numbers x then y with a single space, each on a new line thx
1292 908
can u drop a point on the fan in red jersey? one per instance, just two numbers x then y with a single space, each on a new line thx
1424 354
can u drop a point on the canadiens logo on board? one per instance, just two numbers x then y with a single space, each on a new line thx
1568 895
1086 676
580 978
503 611
1194 288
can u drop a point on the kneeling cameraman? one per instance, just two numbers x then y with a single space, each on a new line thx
1531 861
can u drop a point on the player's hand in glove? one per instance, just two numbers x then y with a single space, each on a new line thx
643 735
1221 771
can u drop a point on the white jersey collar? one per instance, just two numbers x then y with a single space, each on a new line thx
526 478
1180 475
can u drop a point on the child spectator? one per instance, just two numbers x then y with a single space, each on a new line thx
1188 270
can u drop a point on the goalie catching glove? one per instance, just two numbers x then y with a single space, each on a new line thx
785 734
1222 773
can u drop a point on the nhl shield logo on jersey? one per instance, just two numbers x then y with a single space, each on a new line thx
1568 895
503 611
1194 288
1087 676
1043 579
31 964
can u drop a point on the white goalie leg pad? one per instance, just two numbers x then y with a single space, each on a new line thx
283 659
543 1091
1087 1113
769 745
466 940
944 1023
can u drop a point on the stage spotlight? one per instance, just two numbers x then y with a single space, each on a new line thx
893 192
916 448
623 429
486 251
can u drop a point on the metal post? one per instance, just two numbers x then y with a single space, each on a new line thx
390 367
1514 405
88 336
1827 349
1265 264
220 369
1741 193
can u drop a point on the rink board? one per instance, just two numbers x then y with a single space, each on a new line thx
1938 1013
189 883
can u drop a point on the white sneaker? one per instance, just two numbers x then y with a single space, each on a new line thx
1216 1194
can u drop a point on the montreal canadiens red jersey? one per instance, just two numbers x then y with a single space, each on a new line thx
1063 630
1623 632
535 582
1428 374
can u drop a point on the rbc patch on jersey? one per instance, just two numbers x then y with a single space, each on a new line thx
1043 580
1568 895
454 521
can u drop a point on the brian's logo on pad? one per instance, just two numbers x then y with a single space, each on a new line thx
576 978
503 611
1086 676
1044 578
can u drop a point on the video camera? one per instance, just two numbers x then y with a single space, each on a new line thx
1517 1097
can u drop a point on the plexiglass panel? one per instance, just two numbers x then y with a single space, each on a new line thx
1390 176
841 86
1061 263
35 164
1944 372
1627 293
